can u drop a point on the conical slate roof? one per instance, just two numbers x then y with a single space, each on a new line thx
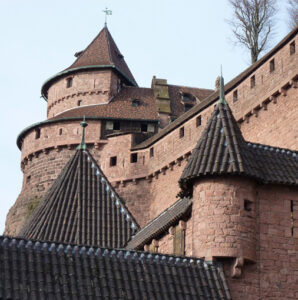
222 149
103 51
81 207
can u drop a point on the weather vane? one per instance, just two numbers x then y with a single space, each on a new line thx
107 12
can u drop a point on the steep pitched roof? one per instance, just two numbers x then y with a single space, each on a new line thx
81 207
103 51
120 107
34 270
222 149
160 224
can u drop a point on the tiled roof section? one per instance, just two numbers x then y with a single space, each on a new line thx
222 149
35 270
103 51
160 224
120 107
214 96
176 92
81 207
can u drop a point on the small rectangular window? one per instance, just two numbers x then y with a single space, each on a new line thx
80 102
116 125
252 81
69 82
235 96
181 132
113 161
144 127
151 152
60 131
198 121
151 128
37 133
272 65
248 205
28 179
134 157
292 48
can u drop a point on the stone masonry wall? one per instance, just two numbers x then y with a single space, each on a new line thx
92 87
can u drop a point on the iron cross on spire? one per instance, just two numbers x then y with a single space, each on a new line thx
107 12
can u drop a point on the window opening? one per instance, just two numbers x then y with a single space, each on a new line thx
80 102
272 65
69 82
151 152
248 205
199 121
113 161
134 157
181 132
235 96
28 179
144 127
136 102
60 131
292 218
253 81
37 133
116 126
292 48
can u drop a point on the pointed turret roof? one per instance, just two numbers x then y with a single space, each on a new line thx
103 51
222 150
81 207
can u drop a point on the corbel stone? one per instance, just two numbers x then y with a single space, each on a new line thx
273 99
122 183
146 248
293 83
255 112
172 230
134 181
237 268
155 243
69 146
171 165
182 224
283 91
163 170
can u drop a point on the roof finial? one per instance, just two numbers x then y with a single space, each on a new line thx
221 89
83 146
107 12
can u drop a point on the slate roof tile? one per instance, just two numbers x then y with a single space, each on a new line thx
160 224
120 107
103 51
81 207
34 270
222 149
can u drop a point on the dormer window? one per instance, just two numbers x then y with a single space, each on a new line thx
69 82
135 102
188 100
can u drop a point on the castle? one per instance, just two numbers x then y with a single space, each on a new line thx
198 173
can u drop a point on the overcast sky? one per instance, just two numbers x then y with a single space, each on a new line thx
184 42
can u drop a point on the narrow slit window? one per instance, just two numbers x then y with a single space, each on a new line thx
199 121
181 132
113 161
80 102
134 157
69 82
28 179
292 218
60 131
252 81
37 133
151 152
235 96
272 65
292 48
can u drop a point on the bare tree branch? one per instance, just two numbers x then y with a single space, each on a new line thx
252 23
293 13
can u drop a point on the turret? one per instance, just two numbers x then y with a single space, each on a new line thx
96 76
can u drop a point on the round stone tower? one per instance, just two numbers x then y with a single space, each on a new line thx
89 87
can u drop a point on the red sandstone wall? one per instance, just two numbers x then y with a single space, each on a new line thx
92 87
